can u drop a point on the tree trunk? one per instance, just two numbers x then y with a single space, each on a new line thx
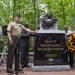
35 11
14 7
63 9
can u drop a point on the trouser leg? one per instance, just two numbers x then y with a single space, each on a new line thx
17 56
22 56
9 57
26 55
71 57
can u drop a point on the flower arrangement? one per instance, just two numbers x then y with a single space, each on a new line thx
70 42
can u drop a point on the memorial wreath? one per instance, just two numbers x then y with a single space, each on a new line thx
70 42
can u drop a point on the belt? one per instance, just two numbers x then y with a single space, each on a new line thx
15 36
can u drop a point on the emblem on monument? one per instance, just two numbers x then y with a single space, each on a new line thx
48 22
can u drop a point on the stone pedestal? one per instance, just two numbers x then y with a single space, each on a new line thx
50 68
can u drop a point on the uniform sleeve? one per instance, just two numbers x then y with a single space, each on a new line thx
26 29
9 27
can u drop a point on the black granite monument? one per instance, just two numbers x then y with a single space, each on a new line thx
50 47
50 50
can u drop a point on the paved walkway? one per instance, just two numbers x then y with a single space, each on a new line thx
27 71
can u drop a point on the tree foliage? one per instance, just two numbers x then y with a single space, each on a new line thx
31 10
63 10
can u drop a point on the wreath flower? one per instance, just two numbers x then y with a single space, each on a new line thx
70 42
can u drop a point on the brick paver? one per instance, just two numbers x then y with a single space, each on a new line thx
27 71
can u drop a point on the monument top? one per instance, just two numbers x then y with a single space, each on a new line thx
48 22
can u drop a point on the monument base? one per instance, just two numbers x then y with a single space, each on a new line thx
50 68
